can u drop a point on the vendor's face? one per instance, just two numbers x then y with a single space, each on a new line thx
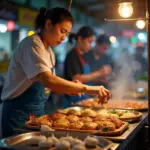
55 34
102 48
86 43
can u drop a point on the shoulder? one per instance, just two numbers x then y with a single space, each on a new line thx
71 53
33 40
88 55
107 57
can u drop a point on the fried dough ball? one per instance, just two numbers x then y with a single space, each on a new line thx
74 112
118 123
99 118
105 126
86 119
89 113
90 126
57 116
34 122
61 123
72 118
63 111
47 117
76 125
46 122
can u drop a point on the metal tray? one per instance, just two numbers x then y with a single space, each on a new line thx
21 141
112 133
128 108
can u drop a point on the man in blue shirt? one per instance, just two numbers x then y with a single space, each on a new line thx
98 59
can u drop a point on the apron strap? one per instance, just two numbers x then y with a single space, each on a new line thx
83 62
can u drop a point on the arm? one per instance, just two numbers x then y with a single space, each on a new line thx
103 72
63 86
84 78
58 84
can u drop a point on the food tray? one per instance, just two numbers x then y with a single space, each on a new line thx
21 141
125 108
96 132
128 119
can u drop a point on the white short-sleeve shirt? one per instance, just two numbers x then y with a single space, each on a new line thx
29 59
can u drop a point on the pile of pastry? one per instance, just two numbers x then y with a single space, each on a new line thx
86 119
116 104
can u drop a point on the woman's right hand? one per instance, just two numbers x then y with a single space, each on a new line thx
101 92
105 70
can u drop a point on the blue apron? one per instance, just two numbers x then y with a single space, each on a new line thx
86 70
16 111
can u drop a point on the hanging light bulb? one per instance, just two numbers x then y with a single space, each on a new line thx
140 24
125 9
112 39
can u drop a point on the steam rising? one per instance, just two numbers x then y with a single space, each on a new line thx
124 76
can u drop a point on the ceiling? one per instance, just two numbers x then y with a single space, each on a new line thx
101 9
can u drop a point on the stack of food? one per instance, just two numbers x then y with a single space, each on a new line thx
72 119
65 143
126 115
117 104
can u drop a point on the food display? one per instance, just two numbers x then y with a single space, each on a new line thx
126 104
85 120
57 141
125 115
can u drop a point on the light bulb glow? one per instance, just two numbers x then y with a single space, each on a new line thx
112 39
142 37
125 9
3 28
140 24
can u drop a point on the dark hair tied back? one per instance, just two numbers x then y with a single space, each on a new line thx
83 32
43 11
72 38
56 15
40 19
103 39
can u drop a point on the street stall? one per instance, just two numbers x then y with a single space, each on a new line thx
121 124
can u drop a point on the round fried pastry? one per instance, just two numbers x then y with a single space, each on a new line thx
34 122
116 121
74 112
47 117
90 126
76 125
99 118
57 116
46 122
86 119
72 118
106 126
88 113
61 123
